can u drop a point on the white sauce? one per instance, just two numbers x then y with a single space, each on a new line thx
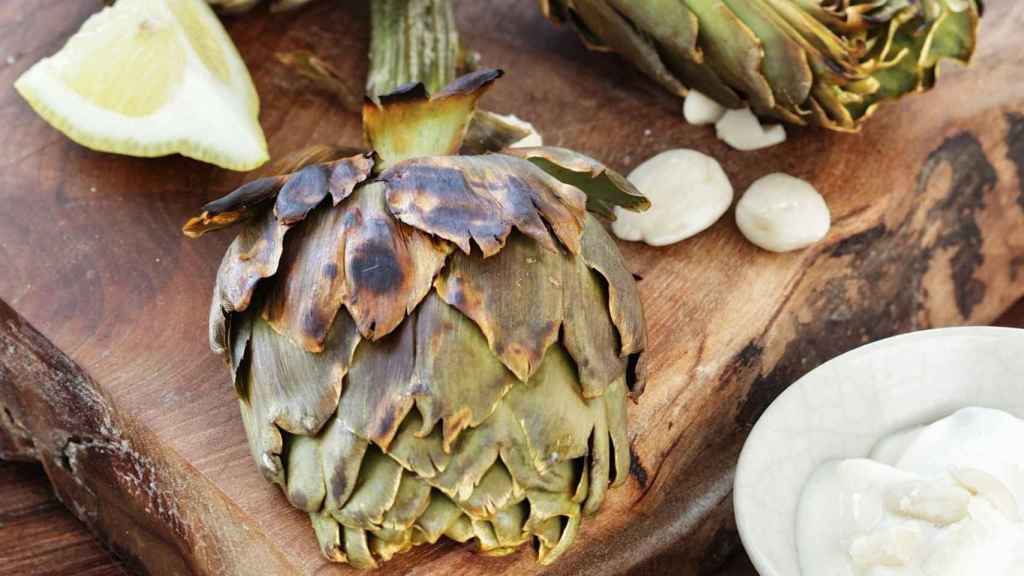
781 213
938 500
688 192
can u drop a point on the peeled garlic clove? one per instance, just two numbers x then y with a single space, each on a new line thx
531 140
688 192
699 110
781 213
743 131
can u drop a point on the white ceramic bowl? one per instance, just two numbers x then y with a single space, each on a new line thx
843 407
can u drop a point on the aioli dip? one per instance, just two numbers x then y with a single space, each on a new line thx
938 500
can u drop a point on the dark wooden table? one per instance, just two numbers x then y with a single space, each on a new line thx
39 537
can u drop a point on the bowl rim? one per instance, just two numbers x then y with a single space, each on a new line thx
748 538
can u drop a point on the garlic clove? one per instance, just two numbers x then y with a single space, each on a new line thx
743 131
781 213
688 192
700 110
531 140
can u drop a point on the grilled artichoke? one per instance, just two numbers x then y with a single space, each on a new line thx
400 384
824 62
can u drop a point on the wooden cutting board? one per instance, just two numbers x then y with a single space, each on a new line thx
136 422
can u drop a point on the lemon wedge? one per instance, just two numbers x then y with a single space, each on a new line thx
151 78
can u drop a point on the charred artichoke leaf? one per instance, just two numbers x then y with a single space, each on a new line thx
379 390
300 390
605 188
357 255
239 205
481 198
479 288
252 256
459 381
408 123
303 189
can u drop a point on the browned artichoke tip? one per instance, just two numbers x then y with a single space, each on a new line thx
429 345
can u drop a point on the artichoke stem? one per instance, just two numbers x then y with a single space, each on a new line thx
412 41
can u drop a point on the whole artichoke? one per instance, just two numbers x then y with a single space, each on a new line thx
824 62
400 384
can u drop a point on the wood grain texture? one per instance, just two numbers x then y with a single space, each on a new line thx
62 545
927 203
38 536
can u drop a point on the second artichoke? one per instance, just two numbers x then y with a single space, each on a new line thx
824 62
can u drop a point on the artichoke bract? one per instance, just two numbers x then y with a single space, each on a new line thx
427 344
823 62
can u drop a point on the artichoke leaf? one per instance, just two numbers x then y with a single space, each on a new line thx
615 410
342 453
299 391
733 51
459 380
265 441
495 293
378 392
599 459
410 124
356 255
548 553
304 475
240 205
490 132
375 493
604 187
423 455
481 198
435 520
357 548
785 63
669 22
412 501
588 334
495 492
328 534
601 254
551 412
607 24
252 256
508 524
299 181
